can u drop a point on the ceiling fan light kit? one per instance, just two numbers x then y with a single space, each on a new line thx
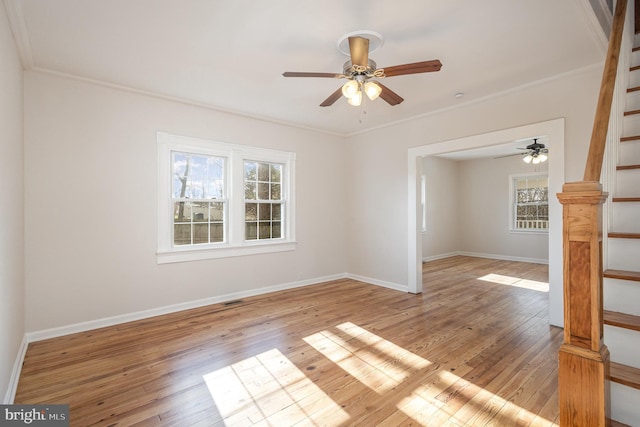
360 70
535 158
536 154
373 90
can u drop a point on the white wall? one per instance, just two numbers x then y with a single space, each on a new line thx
12 212
483 190
91 204
441 237
383 254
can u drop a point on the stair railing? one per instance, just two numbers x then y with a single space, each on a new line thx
583 369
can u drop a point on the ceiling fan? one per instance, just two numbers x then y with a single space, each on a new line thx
535 153
360 71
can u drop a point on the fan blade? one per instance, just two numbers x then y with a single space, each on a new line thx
359 48
388 95
303 74
332 98
415 68
509 155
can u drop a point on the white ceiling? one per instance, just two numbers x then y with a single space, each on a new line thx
231 54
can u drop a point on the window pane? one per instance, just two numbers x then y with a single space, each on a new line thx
200 211
276 230
251 212
264 230
197 176
182 212
215 189
250 171
200 233
264 211
215 167
276 173
263 172
216 212
275 212
179 183
251 231
275 192
182 234
263 191
217 233
250 190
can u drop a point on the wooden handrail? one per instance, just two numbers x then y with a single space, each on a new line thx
601 123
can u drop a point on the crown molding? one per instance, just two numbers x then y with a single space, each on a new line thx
158 95
515 89
20 33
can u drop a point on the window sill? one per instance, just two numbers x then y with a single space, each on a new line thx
543 232
183 255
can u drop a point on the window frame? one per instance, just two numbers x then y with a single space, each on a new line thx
512 203
234 243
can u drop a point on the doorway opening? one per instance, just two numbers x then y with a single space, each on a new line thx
553 132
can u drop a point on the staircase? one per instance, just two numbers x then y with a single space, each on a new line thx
621 287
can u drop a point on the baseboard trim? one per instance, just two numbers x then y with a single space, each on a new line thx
381 283
505 257
15 372
483 255
144 314
439 256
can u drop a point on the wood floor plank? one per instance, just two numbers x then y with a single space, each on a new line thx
474 348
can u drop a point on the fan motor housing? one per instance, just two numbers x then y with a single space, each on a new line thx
347 68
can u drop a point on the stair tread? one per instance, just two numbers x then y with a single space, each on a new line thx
626 375
622 320
630 112
630 138
625 199
624 167
633 89
623 235
623 274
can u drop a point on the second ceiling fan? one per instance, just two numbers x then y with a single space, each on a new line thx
361 72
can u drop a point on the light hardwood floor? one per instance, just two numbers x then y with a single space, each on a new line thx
466 352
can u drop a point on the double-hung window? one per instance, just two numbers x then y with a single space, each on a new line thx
198 196
263 200
217 199
530 202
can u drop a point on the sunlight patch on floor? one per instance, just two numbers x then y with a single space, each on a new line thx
516 282
375 362
269 387
428 404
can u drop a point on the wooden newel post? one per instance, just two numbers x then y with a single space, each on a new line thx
583 358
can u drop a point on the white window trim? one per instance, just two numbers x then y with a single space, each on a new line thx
234 244
512 228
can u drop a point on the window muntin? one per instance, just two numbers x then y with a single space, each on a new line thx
202 212
530 203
